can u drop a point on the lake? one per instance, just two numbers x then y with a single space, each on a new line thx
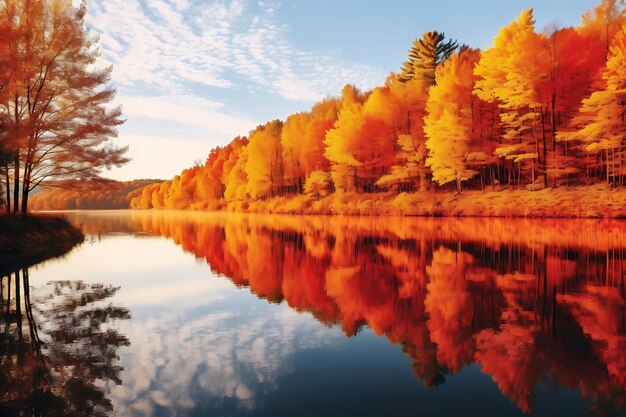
215 314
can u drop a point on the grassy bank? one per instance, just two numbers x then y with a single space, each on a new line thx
599 201
26 240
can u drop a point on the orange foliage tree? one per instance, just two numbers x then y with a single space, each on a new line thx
602 115
54 104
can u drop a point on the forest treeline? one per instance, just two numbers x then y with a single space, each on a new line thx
90 196
536 110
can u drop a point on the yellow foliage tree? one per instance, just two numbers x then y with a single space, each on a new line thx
511 73
293 147
237 178
343 140
449 123
318 184
265 168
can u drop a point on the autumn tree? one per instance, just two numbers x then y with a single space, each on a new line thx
265 167
402 105
425 55
575 64
291 139
604 21
237 177
59 123
323 115
318 184
208 182
302 141
343 140
449 123
511 72
602 115
580 57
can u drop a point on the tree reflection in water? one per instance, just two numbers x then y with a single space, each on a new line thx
528 301
57 347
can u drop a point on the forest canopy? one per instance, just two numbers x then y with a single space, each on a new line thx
535 110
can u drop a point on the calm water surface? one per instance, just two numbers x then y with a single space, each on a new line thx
197 314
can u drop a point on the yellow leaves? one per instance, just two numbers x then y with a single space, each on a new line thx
424 57
511 70
380 104
523 156
344 137
265 165
407 143
238 178
449 122
447 143
293 146
513 74
318 184
508 150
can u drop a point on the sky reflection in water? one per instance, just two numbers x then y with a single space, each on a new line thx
445 316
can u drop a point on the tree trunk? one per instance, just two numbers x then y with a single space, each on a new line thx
8 183
553 122
26 185
25 201
16 182
545 150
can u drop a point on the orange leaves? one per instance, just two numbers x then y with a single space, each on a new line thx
604 22
601 121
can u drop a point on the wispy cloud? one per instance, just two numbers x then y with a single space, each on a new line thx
206 71
188 110
172 46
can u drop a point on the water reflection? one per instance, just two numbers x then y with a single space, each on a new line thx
527 300
531 303
57 347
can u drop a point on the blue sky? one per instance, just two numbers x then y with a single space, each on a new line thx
192 74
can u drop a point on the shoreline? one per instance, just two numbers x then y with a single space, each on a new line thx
571 202
28 240
585 202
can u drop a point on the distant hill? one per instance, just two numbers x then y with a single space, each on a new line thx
90 196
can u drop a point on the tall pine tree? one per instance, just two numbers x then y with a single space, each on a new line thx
425 55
